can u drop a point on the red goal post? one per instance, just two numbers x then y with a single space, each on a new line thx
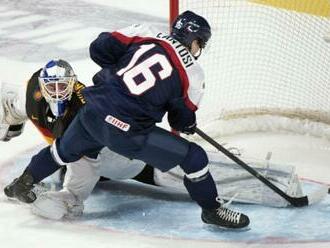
174 10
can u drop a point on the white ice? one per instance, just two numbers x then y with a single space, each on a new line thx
23 25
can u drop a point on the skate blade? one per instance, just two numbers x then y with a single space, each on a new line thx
216 228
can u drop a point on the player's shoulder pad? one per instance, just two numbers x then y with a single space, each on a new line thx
189 65
185 57
142 30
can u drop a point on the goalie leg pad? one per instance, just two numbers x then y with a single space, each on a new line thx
57 205
81 177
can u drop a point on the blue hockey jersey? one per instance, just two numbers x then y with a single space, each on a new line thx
143 76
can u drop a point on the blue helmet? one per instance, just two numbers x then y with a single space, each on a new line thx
56 81
188 27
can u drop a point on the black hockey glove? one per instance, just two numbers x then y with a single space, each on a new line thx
190 129
181 118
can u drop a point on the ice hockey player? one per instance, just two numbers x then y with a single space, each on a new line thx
83 174
142 78
51 99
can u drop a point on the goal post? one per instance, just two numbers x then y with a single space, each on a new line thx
174 10
268 67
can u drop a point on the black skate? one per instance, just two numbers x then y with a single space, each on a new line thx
224 217
21 188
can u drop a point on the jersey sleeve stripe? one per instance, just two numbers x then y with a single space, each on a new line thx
122 38
182 73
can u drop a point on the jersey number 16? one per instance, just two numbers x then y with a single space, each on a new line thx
132 70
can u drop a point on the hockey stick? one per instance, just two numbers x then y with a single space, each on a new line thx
294 201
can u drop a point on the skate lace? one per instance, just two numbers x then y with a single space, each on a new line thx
227 214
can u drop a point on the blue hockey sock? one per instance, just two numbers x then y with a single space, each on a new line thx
203 191
42 165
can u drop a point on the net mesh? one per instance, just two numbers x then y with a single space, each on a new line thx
264 61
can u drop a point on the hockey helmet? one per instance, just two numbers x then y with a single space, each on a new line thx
188 27
56 81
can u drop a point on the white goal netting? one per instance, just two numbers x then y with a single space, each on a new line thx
268 67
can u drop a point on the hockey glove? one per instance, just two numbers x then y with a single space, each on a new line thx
13 131
11 106
181 118
190 129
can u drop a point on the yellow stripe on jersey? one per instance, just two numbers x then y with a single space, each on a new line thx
313 7
49 140
46 134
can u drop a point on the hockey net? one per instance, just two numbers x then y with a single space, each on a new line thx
268 67
235 183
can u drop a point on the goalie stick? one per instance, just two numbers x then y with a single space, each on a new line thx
294 201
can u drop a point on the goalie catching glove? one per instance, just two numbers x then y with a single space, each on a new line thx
12 112
13 102
12 132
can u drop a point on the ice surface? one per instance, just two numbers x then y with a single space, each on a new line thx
127 214
136 209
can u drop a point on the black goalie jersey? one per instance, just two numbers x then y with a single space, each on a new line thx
38 110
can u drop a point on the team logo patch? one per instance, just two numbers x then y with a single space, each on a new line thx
179 24
37 95
117 123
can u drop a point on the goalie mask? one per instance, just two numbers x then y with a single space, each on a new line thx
56 81
188 27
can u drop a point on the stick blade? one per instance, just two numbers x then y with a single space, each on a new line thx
299 201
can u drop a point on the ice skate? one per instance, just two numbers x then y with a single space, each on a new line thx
224 217
21 188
